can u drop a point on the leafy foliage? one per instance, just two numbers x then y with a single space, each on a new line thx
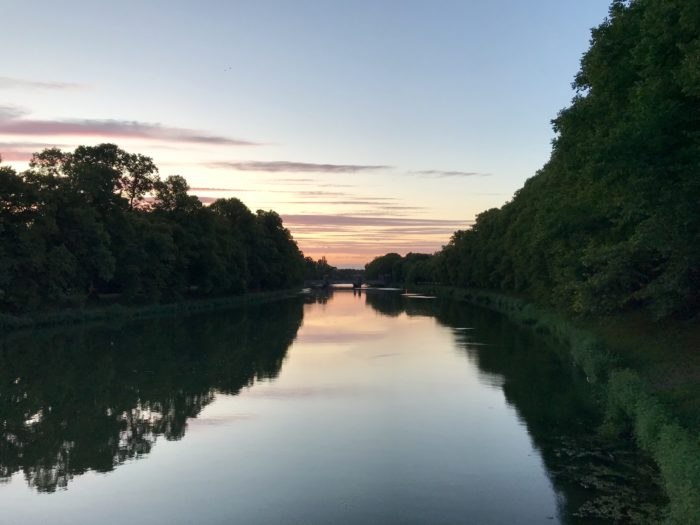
320 269
99 221
611 221
393 268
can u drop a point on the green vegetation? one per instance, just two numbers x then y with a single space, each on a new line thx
608 233
598 474
394 269
316 270
610 223
635 406
99 225
123 313
320 270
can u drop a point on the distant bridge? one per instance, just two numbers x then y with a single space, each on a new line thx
355 283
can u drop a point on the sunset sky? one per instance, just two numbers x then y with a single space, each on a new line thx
370 126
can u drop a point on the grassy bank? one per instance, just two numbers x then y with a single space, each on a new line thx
127 312
649 387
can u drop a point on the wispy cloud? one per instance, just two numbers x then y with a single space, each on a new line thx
321 193
300 181
292 180
354 238
295 167
37 146
11 113
306 194
217 190
449 173
20 83
384 212
353 220
23 151
206 200
401 207
13 155
354 253
356 202
13 122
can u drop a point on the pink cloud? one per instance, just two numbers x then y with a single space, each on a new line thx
353 220
206 200
13 122
22 151
353 239
296 167
9 155
20 83
449 173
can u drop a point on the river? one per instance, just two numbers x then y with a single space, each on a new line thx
346 407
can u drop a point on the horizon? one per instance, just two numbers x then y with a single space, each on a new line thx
368 128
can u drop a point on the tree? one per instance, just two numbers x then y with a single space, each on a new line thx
610 222
74 227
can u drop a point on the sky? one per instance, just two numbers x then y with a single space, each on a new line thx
369 126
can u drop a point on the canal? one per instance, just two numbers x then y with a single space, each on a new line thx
339 407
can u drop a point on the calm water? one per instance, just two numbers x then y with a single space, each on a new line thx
371 408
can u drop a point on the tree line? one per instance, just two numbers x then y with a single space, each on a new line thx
321 270
611 222
99 222
392 268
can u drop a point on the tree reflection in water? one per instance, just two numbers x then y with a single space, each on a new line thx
598 478
91 397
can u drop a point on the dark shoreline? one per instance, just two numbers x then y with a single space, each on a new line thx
10 323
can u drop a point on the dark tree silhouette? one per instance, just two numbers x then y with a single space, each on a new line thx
78 226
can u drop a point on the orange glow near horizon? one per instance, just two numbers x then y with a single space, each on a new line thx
348 222
360 157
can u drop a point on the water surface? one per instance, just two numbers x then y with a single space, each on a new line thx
344 408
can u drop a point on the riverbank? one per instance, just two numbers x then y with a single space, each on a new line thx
647 387
131 312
